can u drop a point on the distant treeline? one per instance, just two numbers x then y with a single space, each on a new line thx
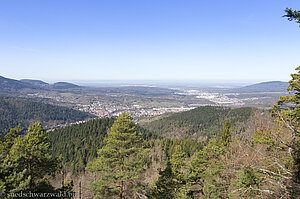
15 111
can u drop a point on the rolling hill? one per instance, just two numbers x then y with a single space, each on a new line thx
15 111
37 83
7 84
201 121
11 85
272 86
64 85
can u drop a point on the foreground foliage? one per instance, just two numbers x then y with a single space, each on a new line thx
25 160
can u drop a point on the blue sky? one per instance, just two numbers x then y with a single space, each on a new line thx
207 40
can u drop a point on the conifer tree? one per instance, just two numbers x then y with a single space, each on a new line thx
7 140
177 159
165 186
287 113
248 182
287 109
32 153
226 133
206 170
292 15
120 161
25 159
178 164
10 179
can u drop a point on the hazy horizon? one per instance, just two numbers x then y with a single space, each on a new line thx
155 83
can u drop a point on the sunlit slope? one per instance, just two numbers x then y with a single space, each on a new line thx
202 121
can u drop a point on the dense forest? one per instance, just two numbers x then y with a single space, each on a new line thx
79 143
15 111
201 121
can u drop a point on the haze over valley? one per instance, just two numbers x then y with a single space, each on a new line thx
142 100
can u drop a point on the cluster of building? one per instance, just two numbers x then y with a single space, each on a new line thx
107 110
217 98
109 106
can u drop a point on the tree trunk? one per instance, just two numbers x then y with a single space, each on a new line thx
121 190
80 189
63 178
30 173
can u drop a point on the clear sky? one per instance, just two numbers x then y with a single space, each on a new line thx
216 40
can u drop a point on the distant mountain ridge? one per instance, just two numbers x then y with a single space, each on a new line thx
17 88
35 82
11 84
7 84
64 85
271 86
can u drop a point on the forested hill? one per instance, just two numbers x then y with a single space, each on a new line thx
202 121
272 86
63 85
15 111
8 86
37 83
79 143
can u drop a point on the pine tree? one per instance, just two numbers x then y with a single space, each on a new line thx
32 153
292 15
248 182
25 159
166 185
178 165
7 140
120 161
177 160
287 109
206 169
226 133
11 179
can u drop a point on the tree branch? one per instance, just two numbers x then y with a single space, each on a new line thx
272 173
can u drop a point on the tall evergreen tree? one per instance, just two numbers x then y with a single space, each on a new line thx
226 133
287 113
166 185
11 179
120 161
25 159
177 159
178 165
287 109
31 152
206 169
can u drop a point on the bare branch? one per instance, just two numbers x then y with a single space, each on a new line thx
261 190
283 168
286 123
272 173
